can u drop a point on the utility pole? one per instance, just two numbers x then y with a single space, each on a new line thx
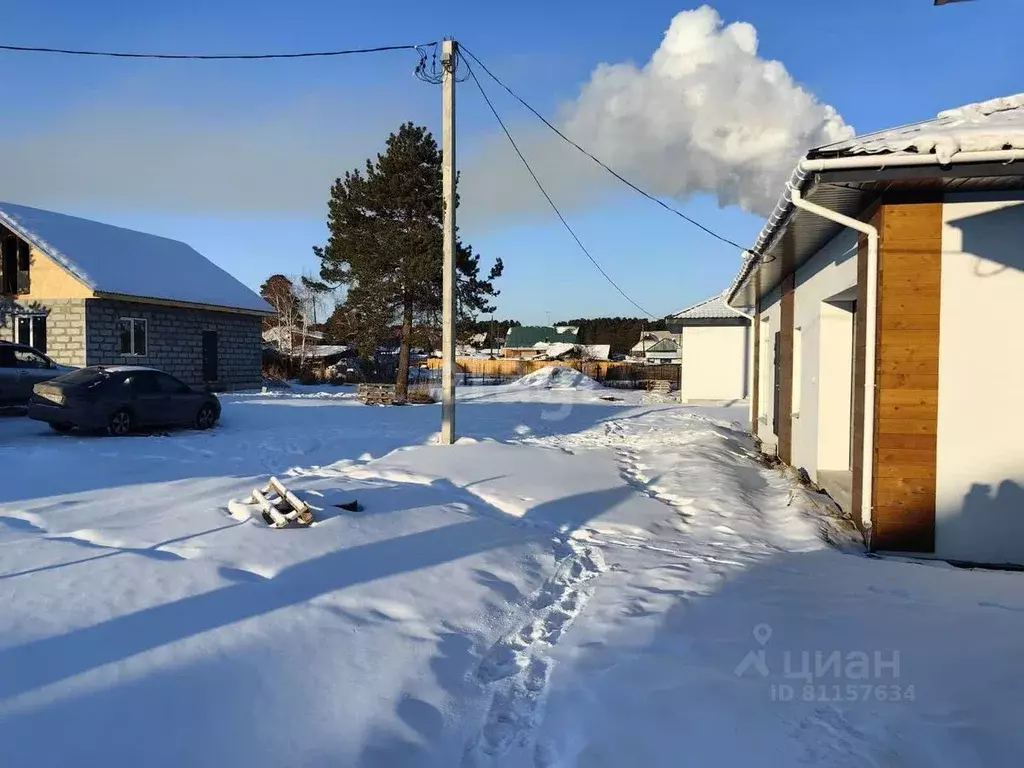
448 61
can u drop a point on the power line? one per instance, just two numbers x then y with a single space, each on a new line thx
618 176
214 56
547 196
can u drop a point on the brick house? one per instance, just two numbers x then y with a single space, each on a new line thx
87 293
887 357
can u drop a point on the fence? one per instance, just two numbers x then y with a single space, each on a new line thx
471 370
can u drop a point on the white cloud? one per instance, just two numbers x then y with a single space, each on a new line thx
706 114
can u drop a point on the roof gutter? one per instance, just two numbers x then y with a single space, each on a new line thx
785 207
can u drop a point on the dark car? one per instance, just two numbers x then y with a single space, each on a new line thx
21 368
119 399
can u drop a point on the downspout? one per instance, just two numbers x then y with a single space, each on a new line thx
870 312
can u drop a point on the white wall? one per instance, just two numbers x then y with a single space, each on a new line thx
831 274
715 362
771 319
980 471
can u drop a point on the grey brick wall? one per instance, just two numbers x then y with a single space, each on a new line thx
175 342
65 329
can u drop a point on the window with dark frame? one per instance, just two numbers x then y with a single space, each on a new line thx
31 331
15 261
134 336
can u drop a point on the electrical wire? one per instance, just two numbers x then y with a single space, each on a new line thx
214 56
547 197
618 176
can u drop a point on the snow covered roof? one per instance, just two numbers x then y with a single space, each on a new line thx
120 261
713 308
590 351
318 351
984 126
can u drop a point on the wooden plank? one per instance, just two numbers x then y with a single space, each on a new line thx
912 338
894 535
916 381
905 352
907 411
901 321
904 501
901 485
920 471
915 441
905 457
906 426
894 365
910 305
912 257
905 291
901 281
908 397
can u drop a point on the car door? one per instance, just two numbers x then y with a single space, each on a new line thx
182 403
8 375
32 368
148 402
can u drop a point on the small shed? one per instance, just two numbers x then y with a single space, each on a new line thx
715 342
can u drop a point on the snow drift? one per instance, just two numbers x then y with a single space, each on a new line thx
557 376
706 114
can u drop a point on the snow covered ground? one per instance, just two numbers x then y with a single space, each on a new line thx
578 582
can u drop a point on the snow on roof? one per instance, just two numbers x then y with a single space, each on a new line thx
988 125
592 351
316 351
713 308
115 260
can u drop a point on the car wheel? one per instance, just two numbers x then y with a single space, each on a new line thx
120 423
62 427
206 417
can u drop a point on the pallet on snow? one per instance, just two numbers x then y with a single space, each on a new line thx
279 507
376 394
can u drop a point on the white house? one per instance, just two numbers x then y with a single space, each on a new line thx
714 342
889 358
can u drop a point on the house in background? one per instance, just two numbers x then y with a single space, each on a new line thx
889 359
564 351
87 293
656 347
714 340
288 338
525 342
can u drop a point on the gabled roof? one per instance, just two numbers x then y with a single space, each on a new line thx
713 308
663 345
114 260
522 336
972 148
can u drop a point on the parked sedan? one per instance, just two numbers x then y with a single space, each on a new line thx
120 399
21 368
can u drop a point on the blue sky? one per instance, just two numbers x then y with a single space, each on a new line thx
236 158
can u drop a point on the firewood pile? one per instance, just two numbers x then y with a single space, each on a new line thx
376 394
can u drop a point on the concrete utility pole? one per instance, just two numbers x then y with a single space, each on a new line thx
448 60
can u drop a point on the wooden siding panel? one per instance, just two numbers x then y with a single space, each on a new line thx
906 377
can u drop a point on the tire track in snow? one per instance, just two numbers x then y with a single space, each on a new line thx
517 665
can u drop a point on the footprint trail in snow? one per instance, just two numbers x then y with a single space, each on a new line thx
517 665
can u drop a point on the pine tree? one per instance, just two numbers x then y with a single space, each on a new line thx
385 245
